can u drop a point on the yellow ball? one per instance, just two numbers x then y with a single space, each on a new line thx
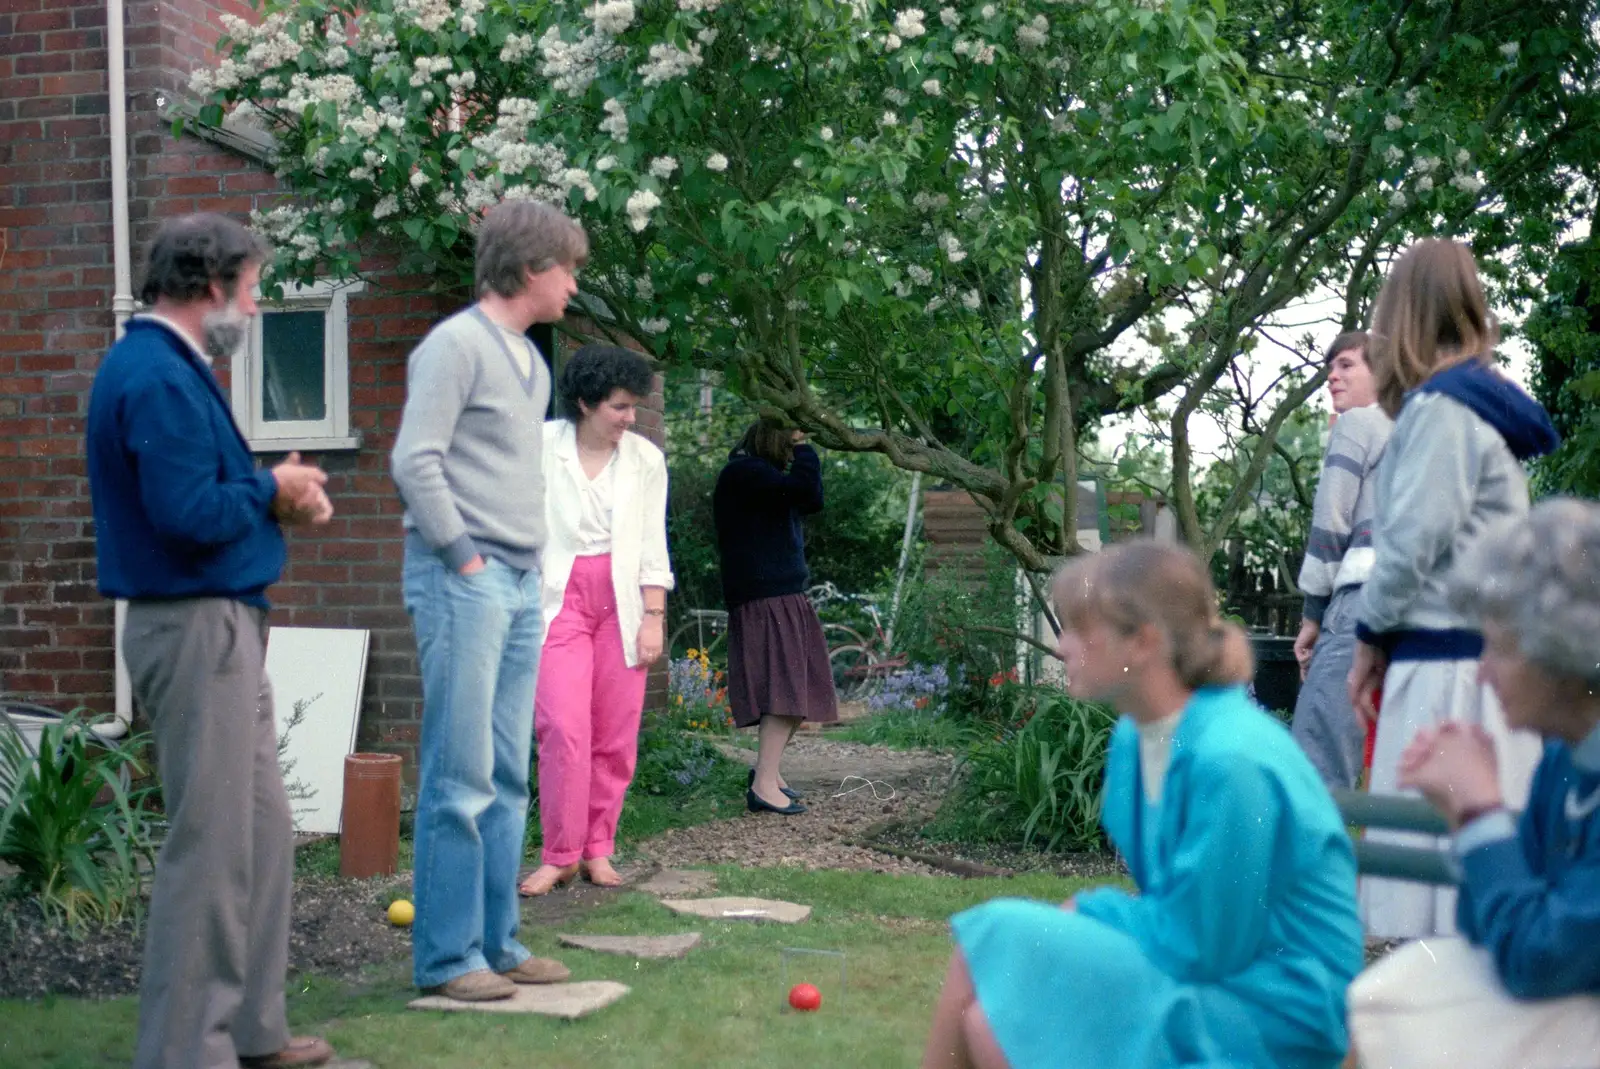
401 913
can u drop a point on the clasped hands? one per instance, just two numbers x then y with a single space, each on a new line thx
302 497
1455 768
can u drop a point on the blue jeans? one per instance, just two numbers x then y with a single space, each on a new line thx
478 641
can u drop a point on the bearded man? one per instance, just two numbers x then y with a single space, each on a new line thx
187 529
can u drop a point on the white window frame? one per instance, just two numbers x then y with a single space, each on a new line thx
330 433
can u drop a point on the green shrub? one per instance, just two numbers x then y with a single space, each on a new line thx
79 855
1038 782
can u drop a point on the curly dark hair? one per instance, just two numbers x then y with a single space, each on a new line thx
595 372
191 252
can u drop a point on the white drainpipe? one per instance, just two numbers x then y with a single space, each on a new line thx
122 303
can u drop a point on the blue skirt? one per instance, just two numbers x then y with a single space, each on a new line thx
1062 991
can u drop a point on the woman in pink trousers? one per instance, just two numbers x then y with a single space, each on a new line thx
606 577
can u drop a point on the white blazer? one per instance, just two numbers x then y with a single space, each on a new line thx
638 526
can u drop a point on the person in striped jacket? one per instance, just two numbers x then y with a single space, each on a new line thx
1338 558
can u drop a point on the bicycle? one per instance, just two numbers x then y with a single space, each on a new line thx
708 628
859 665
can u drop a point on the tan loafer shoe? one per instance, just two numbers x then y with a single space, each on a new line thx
482 985
538 971
301 1051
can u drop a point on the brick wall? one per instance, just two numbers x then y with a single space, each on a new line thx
55 321
56 288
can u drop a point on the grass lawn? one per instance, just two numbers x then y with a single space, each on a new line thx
721 1006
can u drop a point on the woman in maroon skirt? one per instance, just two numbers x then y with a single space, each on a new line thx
778 674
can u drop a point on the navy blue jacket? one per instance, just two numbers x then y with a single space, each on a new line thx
1532 899
180 508
757 510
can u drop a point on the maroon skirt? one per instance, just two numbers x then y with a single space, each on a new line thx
778 662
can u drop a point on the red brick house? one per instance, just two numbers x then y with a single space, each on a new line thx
59 283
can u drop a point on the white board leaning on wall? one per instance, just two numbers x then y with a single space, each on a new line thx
320 670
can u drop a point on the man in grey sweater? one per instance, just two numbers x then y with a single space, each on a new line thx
467 464
1338 558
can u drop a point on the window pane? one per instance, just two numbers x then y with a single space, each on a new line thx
293 378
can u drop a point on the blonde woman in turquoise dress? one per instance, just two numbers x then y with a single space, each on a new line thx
1238 946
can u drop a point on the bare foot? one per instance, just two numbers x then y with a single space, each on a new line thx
546 879
598 871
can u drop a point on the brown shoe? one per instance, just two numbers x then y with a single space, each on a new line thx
480 985
538 971
301 1051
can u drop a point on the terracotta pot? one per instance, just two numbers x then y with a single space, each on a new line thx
369 827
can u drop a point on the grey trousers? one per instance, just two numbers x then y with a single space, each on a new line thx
1326 726
217 939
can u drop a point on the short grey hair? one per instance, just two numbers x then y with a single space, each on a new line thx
1539 576
521 236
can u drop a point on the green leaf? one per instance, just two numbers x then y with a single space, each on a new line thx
413 228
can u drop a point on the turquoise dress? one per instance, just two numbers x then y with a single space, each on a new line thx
1238 948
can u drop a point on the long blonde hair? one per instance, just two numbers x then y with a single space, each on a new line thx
1145 582
1431 314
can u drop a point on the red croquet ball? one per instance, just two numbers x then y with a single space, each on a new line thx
805 998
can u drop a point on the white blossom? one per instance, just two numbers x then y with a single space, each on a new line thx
891 41
1392 123
605 163
707 36
902 289
1463 157
952 247
963 47
668 61
337 56
469 25
889 119
1411 96
934 305
1510 49
898 97
578 178
644 288
616 121
988 11
985 55
704 278
1393 155
572 66
640 204
909 23
1467 183
696 7
418 179
653 326
612 16
919 274
931 87
1334 136
826 133
717 162
930 202
386 207
950 17
663 166
1398 200
427 15
1033 35
970 300
1428 164
1424 184
517 47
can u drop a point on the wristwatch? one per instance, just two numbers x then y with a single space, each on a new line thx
655 612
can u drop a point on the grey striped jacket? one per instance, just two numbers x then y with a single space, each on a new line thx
1339 547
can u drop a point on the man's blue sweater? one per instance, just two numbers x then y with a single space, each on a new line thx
1530 894
180 508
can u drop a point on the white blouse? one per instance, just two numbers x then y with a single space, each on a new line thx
1155 754
597 500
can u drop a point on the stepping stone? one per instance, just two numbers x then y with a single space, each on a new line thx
635 946
671 883
739 909
567 1001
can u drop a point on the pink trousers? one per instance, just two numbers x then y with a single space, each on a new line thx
585 719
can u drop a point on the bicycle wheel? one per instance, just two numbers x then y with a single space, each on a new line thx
853 678
838 635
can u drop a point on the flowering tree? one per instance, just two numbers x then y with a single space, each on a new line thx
953 236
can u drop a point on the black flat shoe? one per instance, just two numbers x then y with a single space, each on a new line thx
756 804
793 796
